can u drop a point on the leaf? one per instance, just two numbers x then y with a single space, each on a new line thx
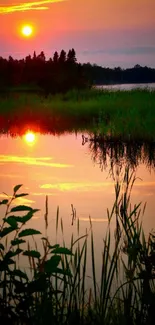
35 210
23 219
32 253
17 218
54 246
11 221
20 274
12 254
29 215
21 208
17 242
17 187
20 195
61 250
6 231
50 266
4 202
29 232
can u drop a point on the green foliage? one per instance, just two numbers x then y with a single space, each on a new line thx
4 202
118 114
17 241
16 188
22 293
32 253
29 232
61 250
21 208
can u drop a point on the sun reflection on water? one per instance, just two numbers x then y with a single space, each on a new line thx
30 137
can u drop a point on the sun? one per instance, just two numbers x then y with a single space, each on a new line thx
30 137
27 30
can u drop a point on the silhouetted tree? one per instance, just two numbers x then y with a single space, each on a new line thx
71 56
62 57
55 57
41 56
34 55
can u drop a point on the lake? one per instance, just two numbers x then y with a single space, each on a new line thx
73 171
128 86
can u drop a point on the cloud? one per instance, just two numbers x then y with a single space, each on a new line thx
39 161
145 188
43 194
35 5
76 186
142 50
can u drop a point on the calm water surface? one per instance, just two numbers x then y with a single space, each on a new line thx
71 173
129 86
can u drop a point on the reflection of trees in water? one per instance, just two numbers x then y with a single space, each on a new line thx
107 151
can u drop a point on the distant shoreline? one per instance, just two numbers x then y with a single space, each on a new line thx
115 86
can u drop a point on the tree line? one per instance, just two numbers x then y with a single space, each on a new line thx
62 72
57 74
138 74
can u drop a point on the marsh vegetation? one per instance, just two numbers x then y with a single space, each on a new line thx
120 114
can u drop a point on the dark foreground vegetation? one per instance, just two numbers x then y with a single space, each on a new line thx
62 72
125 115
54 289
112 152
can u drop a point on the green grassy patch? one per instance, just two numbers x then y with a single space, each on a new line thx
117 113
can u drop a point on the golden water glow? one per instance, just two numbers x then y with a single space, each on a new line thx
33 161
30 137
27 30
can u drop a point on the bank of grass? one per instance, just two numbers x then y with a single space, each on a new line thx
116 113
55 290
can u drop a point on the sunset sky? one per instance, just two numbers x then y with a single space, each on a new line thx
106 32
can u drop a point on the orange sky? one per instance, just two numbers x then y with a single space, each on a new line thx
107 32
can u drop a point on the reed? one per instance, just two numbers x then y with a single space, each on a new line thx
54 289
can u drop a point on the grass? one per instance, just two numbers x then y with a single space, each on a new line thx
55 289
125 114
